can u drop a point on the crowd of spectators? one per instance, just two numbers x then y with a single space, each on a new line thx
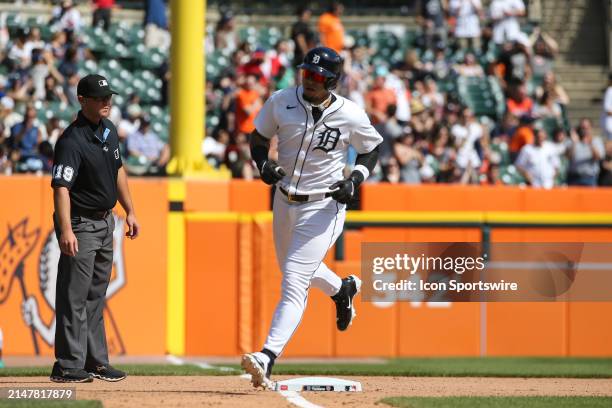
38 79
431 133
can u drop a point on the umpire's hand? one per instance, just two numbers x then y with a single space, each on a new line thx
343 191
68 243
271 172
133 226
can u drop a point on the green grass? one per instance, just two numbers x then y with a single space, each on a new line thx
498 402
418 367
131 369
463 367
50 404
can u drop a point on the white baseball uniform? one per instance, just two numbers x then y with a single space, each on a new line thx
313 156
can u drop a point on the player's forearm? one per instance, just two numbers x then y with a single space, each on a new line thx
364 165
61 202
123 190
259 148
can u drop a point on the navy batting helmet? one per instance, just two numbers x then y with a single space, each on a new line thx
326 62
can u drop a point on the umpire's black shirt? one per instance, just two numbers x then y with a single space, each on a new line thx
86 161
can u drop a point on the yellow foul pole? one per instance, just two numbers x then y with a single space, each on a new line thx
187 87
186 133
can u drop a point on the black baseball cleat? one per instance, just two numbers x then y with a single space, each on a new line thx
255 364
345 310
69 375
106 373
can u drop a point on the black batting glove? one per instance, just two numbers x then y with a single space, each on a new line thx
271 172
343 191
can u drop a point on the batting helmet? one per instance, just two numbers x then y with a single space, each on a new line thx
326 62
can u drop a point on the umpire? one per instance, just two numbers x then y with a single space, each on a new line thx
87 180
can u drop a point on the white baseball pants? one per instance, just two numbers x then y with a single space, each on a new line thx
303 233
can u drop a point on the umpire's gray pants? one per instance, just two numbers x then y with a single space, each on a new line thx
82 280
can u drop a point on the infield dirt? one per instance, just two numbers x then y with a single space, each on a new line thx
234 391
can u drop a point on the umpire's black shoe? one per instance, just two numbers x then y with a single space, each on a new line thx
345 310
69 375
106 373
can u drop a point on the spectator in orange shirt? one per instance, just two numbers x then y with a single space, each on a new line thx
379 97
519 103
331 29
248 104
524 135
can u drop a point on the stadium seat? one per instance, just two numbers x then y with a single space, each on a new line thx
501 150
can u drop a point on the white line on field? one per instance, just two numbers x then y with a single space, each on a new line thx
174 360
205 366
293 397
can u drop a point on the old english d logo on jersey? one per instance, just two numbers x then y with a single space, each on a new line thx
327 139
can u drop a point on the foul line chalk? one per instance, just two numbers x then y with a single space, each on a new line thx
295 398
203 365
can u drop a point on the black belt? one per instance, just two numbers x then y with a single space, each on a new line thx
95 214
302 198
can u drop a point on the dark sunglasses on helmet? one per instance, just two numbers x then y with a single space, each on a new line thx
313 76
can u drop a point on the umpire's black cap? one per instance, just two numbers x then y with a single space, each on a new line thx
94 86
324 61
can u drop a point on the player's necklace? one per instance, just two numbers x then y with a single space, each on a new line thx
323 104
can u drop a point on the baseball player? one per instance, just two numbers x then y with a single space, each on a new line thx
315 128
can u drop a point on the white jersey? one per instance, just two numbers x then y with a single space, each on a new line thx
314 154
506 28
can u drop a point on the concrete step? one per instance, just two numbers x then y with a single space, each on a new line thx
593 112
592 58
565 66
581 97
581 77
580 84
560 4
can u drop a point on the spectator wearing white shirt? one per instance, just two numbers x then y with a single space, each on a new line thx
470 67
130 123
8 117
606 124
467 132
538 162
585 155
467 30
67 17
432 98
213 147
504 14
548 108
33 41
18 55
393 81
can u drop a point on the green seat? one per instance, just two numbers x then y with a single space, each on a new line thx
149 95
268 37
550 125
248 34
561 177
135 35
433 163
150 60
501 149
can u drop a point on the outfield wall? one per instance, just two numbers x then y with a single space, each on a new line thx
232 283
